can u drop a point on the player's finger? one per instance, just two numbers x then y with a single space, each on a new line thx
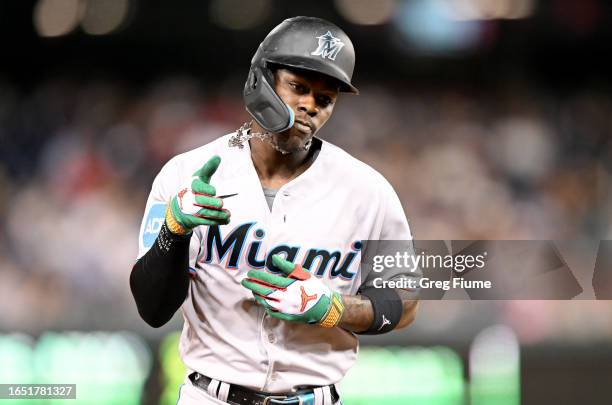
269 279
200 187
256 288
261 301
209 168
210 222
285 265
213 222
208 202
280 315
206 213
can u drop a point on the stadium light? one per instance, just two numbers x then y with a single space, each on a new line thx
366 12
102 17
464 10
239 15
54 18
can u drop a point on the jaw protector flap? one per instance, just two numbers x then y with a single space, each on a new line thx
264 105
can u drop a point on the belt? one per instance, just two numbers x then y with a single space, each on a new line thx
240 395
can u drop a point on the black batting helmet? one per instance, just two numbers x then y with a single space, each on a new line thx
307 43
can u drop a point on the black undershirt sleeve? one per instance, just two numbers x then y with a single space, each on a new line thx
159 280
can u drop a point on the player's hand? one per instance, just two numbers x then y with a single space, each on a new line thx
295 295
196 204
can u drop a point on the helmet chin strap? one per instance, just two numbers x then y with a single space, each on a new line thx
244 133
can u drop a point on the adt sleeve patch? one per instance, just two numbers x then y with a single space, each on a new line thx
154 221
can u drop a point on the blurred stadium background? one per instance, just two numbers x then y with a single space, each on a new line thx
491 118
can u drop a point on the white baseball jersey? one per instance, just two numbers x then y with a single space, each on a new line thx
317 219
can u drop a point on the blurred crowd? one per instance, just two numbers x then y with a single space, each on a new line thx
78 158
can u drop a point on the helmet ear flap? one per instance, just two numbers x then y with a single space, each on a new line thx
264 105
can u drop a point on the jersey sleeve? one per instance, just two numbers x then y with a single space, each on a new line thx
394 223
165 186
395 237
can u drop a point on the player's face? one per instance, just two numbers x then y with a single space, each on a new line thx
312 97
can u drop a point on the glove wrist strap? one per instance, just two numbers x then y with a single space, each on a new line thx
334 314
172 223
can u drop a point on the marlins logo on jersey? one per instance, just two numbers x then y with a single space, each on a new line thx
329 46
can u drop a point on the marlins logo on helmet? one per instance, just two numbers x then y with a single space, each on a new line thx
329 46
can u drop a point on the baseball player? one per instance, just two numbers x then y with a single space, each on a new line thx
257 236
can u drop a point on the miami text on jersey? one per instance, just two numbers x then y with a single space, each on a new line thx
319 261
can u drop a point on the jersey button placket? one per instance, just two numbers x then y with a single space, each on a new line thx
270 337
284 196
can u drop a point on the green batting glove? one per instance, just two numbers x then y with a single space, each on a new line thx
295 296
195 204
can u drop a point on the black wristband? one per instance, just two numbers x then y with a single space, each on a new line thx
166 239
388 309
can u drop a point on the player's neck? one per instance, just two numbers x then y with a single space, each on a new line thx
274 168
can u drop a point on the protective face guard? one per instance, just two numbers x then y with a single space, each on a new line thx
264 105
